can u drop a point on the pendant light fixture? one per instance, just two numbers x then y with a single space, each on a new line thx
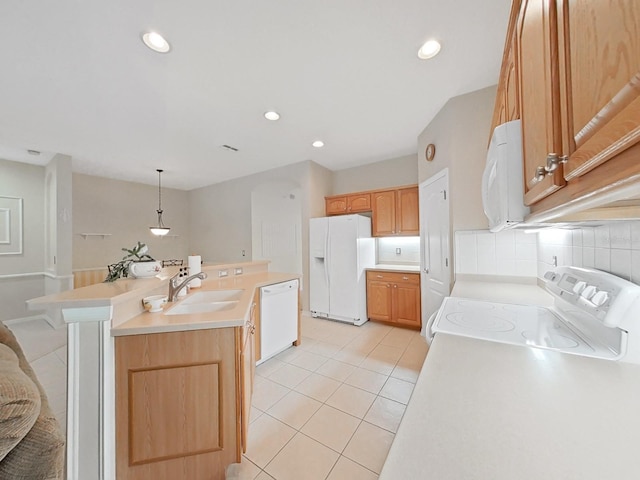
160 230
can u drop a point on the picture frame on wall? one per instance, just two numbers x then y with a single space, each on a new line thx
10 225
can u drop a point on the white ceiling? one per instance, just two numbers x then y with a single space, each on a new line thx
75 78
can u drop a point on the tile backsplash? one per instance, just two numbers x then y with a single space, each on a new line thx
510 252
408 248
614 248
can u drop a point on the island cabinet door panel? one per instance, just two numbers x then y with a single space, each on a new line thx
379 300
384 213
537 59
176 405
600 46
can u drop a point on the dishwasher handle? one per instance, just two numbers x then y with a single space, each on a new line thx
279 288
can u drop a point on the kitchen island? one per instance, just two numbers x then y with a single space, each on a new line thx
157 395
484 410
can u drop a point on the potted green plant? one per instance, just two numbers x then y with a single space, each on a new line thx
137 254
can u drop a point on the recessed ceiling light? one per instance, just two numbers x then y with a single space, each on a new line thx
273 116
318 144
429 50
156 42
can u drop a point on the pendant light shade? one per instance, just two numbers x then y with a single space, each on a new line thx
160 230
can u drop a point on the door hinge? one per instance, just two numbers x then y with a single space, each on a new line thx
446 262
444 194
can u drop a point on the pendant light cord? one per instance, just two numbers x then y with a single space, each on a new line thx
160 223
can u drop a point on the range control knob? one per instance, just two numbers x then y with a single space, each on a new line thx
579 287
600 298
589 291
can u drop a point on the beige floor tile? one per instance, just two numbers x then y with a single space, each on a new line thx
346 355
254 414
267 368
37 338
337 370
289 375
325 349
306 343
302 459
399 337
366 380
351 400
387 352
246 470
398 390
331 427
384 367
267 436
266 393
318 387
385 413
346 469
289 354
294 409
309 361
369 446
264 476
408 374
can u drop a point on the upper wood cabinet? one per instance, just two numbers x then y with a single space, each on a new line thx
507 106
352 203
536 43
395 212
577 82
600 48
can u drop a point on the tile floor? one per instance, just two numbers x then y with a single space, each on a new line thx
46 350
329 409
325 410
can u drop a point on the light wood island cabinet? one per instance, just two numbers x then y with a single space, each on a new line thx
394 298
183 401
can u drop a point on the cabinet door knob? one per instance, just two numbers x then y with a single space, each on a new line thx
378 276
405 278
395 286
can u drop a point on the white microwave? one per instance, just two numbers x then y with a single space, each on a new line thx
503 180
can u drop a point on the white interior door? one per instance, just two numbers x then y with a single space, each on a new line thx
434 237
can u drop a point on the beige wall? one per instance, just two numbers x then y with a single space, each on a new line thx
26 182
387 173
460 132
125 210
220 226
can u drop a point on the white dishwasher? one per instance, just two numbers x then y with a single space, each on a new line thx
278 318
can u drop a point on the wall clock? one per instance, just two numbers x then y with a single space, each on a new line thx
430 152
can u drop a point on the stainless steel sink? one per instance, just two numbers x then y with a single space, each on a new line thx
209 296
185 309
206 302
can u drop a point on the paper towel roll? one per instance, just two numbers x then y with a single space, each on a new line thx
195 262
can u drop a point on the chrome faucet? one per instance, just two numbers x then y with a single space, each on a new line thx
174 287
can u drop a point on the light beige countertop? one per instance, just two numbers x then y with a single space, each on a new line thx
396 268
126 295
147 322
484 410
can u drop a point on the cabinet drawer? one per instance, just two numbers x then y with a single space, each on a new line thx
396 277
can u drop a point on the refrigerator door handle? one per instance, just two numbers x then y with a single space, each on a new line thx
327 257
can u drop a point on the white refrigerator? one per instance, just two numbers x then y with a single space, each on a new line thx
340 249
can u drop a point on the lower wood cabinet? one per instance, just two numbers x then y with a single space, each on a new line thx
394 298
182 402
